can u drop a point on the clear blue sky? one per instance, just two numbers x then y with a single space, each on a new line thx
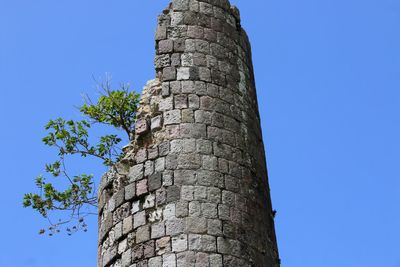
328 80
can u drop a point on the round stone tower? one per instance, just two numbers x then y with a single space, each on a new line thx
192 190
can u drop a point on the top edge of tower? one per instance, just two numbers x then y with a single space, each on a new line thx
187 5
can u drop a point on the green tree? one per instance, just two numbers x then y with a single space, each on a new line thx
77 199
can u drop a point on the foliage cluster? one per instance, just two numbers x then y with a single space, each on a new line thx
115 108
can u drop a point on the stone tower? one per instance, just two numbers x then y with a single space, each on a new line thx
192 190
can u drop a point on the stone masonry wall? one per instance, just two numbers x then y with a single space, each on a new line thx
192 190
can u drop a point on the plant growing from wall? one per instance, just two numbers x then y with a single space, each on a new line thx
78 197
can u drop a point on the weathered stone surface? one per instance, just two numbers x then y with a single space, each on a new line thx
141 127
179 243
156 123
193 188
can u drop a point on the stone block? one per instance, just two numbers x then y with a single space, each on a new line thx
141 127
205 74
188 87
172 117
195 32
195 209
193 130
228 198
183 73
130 191
209 162
157 230
169 74
187 115
210 35
109 255
214 227
163 149
152 152
199 60
209 210
176 18
121 212
176 59
194 101
135 172
166 104
148 168
135 206
167 178
171 161
154 181
122 246
159 164
141 155
149 249
175 87
163 245
182 209
119 198
143 234
118 231
207 103
194 5
203 117
210 178
180 5
229 246
179 45
169 212
202 260
214 195
187 193
187 60
173 193
161 196
200 87
206 8
149 201
200 193
155 262
165 46
155 215
190 45
161 33
191 161
184 177
204 243
203 146
196 225
179 243
139 219
186 259
141 187
127 225
175 226
202 46
231 183
169 260
137 252
181 101
126 259
156 123
216 260
162 61
165 89
224 212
